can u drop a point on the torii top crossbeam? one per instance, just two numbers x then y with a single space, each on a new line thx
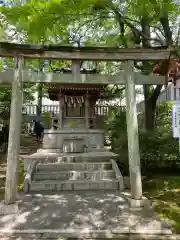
83 53
71 53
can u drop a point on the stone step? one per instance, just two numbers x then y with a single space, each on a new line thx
73 166
74 175
54 156
73 185
72 159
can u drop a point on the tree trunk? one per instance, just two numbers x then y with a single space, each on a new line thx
150 105
150 95
150 109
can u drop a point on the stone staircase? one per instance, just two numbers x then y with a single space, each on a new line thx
71 173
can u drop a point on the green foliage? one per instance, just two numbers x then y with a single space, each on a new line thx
158 149
61 22
113 91
158 146
22 175
5 92
47 116
105 21
164 116
5 99
164 193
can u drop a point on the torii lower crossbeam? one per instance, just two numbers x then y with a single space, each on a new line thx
128 78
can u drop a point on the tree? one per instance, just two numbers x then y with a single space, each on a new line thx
165 8
106 22
136 26
5 92
163 15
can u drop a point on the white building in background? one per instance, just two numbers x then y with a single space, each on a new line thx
45 101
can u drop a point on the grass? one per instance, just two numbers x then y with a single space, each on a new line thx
164 192
21 181
28 146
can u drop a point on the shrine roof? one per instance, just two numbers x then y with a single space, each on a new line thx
75 90
170 68
75 86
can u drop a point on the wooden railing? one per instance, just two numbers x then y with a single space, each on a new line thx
98 110
166 95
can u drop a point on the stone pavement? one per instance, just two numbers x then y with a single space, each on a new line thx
77 213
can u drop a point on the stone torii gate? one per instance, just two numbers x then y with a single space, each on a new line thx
128 78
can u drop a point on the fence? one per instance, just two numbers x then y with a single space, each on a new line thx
99 110
166 95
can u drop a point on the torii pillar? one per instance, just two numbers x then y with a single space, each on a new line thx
133 138
14 133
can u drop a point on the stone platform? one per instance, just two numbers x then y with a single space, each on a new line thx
90 214
91 138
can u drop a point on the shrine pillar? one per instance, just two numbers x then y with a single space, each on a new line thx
61 104
87 110
133 137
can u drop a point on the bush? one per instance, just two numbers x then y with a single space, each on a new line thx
158 152
158 149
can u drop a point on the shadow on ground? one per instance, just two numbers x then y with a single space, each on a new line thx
164 192
82 212
93 210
